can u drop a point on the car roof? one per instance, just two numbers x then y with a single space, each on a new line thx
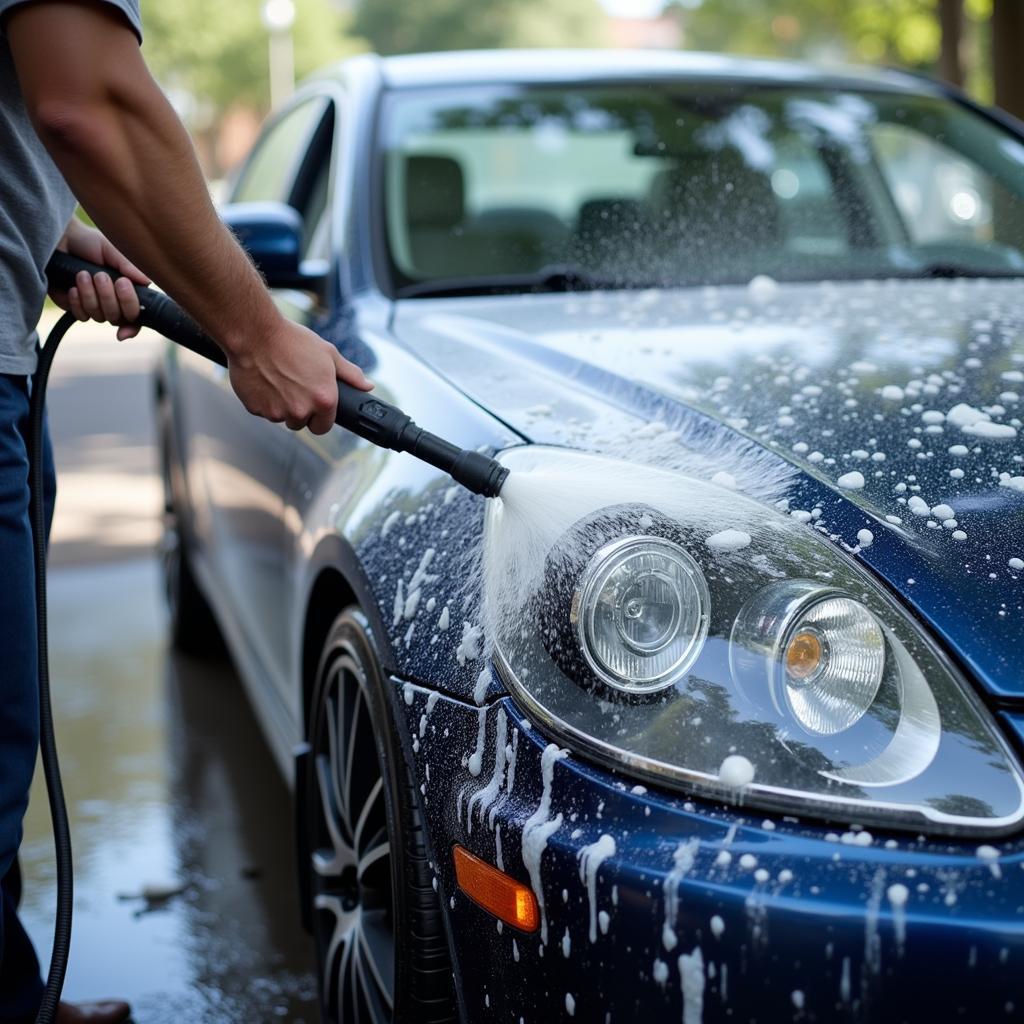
469 67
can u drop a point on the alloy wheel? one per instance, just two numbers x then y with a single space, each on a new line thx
353 898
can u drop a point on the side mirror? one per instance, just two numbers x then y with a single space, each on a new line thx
271 233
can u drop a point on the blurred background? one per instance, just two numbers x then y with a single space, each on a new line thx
225 70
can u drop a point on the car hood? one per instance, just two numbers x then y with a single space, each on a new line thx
897 402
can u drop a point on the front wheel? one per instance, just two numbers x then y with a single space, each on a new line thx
380 944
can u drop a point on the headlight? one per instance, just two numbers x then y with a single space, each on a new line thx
629 612
640 611
647 635
823 653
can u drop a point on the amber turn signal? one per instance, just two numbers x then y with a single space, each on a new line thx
508 900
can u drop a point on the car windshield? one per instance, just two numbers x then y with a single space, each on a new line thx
505 188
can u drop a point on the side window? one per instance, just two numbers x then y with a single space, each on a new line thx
941 196
271 169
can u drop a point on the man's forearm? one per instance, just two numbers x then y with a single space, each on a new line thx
127 157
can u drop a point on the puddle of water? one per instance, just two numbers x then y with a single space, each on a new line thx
169 783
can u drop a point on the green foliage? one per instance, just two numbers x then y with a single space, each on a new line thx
397 26
887 31
217 53
759 27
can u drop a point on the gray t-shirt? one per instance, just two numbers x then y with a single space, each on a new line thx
35 206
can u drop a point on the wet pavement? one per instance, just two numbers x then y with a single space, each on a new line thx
170 786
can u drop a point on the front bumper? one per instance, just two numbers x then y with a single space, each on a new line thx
704 912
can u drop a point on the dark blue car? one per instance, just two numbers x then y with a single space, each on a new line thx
717 713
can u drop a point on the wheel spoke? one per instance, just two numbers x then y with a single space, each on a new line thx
371 857
335 714
342 855
350 752
331 714
340 936
371 990
368 804
378 950
346 984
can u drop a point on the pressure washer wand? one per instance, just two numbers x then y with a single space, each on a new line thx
380 423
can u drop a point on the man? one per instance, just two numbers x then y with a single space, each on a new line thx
81 118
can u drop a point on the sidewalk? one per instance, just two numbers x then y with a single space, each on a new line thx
109 496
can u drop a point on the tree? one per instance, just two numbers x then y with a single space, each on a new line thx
951 57
211 58
759 27
879 31
397 26
1007 43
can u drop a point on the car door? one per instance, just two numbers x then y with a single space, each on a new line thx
245 459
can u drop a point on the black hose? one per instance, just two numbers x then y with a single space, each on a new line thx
47 738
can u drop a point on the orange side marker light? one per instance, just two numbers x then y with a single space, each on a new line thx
499 894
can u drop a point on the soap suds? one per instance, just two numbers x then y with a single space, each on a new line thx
990 855
399 605
728 540
469 647
480 689
898 895
475 761
736 771
682 861
691 975
660 972
538 829
484 798
591 858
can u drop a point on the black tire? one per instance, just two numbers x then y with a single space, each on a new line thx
380 940
193 627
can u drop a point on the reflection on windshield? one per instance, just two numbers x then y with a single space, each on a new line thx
671 184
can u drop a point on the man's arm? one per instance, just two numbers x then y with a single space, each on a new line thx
128 159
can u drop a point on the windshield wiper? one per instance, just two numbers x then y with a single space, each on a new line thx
555 278
949 269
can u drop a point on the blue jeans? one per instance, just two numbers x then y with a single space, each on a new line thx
20 985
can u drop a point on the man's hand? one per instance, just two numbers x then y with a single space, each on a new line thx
290 375
100 297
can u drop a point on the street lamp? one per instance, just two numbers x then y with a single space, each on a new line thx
278 18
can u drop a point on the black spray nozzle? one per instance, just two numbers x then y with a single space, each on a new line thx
389 427
358 411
